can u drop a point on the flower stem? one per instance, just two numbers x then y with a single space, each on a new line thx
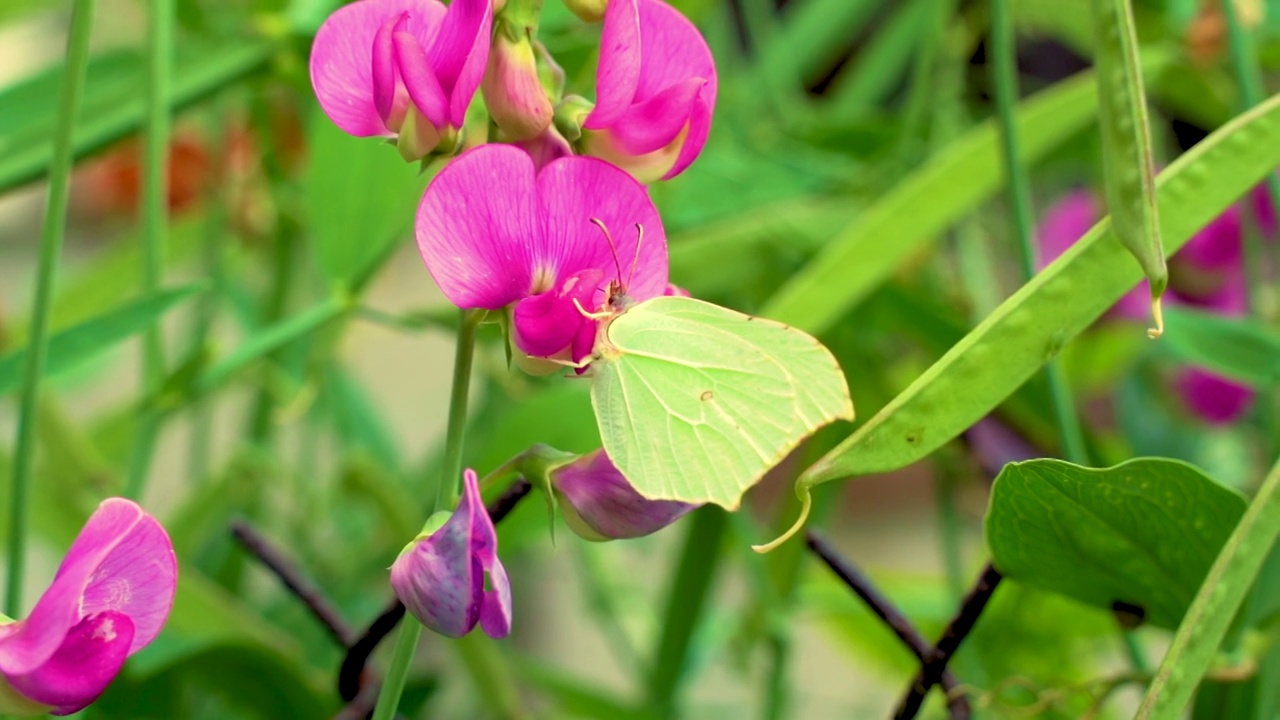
155 211
55 221
1004 74
447 493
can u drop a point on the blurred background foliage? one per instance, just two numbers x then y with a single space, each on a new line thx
317 420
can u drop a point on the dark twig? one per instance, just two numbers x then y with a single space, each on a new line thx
293 579
932 668
352 677
884 609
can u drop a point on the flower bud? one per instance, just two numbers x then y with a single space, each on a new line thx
512 89
588 10
440 575
599 504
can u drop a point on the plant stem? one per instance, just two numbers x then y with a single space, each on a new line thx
155 216
55 222
1004 74
1244 60
447 489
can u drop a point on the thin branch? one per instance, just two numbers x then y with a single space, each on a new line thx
935 663
884 609
289 574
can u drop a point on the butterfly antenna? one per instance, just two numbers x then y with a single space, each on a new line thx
613 249
635 261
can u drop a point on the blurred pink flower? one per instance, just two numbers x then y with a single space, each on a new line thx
655 90
402 68
496 232
1207 272
599 504
110 597
440 576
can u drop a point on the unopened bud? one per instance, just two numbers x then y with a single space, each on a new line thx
512 89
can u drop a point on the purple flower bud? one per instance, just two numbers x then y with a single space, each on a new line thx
599 504
110 597
440 576
512 90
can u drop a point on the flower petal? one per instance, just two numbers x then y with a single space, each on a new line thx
420 80
656 122
618 73
1215 399
601 498
548 322
699 129
121 561
495 604
495 615
342 59
85 663
575 190
673 51
460 52
434 577
476 225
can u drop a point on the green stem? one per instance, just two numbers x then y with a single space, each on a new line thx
55 222
1244 60
1004 73
411 629
155 211
693 581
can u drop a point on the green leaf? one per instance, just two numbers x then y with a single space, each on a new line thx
112 106
1128 164
1241 349
953 182
696 402
85 341
1029 328
1215 605
1142 533
360 198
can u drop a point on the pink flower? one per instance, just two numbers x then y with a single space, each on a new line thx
495 232
402 68
440 575
109 599
1208 272
655 90
599 504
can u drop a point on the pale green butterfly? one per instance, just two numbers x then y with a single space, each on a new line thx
696 402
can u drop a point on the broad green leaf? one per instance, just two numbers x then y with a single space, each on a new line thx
1238 348
1143 533
112 106
1127 159
949 185
696 402
1029 328
360 198
1215 605
89 339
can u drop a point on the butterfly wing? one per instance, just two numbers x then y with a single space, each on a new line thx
696 402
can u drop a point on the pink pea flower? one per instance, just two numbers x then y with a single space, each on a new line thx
655 91
110 597
403 69
1207 273
599 504
440 576
496 232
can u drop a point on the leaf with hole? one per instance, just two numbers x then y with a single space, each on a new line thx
696 402
1141 535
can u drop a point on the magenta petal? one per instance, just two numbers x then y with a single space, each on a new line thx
547 323
85 663
1065 222
574 190
655 123
673 50
1217 400
618 73
342 59
476 225
420 80
121 561
604 500
384 75
699 129
460 52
